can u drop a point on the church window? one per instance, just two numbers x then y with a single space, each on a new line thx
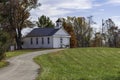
31 41
36 40
42 40
61 40
48 40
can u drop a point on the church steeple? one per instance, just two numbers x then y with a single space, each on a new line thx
58 24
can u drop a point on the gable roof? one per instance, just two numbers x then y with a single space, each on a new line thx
62 33
39 32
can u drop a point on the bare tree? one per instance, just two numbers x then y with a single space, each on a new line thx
81 29
112 33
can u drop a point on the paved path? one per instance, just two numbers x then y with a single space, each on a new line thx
22 67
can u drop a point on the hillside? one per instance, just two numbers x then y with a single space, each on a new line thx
81 64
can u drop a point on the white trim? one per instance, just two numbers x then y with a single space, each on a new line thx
61 36
68 35
65 31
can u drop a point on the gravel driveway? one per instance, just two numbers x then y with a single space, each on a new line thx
23 67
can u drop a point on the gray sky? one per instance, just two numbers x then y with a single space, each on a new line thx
100 9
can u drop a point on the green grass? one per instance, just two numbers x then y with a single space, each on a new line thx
3 64
80 64
19 52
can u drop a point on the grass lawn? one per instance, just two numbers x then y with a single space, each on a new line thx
3 64
80 64
19 52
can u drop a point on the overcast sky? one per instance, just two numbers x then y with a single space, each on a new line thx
100 9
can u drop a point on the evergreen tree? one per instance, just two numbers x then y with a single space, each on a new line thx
44 22
4 43
4 37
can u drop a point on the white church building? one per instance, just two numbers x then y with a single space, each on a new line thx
55 37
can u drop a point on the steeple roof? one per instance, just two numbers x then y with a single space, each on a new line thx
59 20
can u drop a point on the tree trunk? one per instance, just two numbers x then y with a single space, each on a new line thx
18 39
2 55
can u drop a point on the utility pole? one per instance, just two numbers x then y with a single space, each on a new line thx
102 25
102 33
90 21
89 26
